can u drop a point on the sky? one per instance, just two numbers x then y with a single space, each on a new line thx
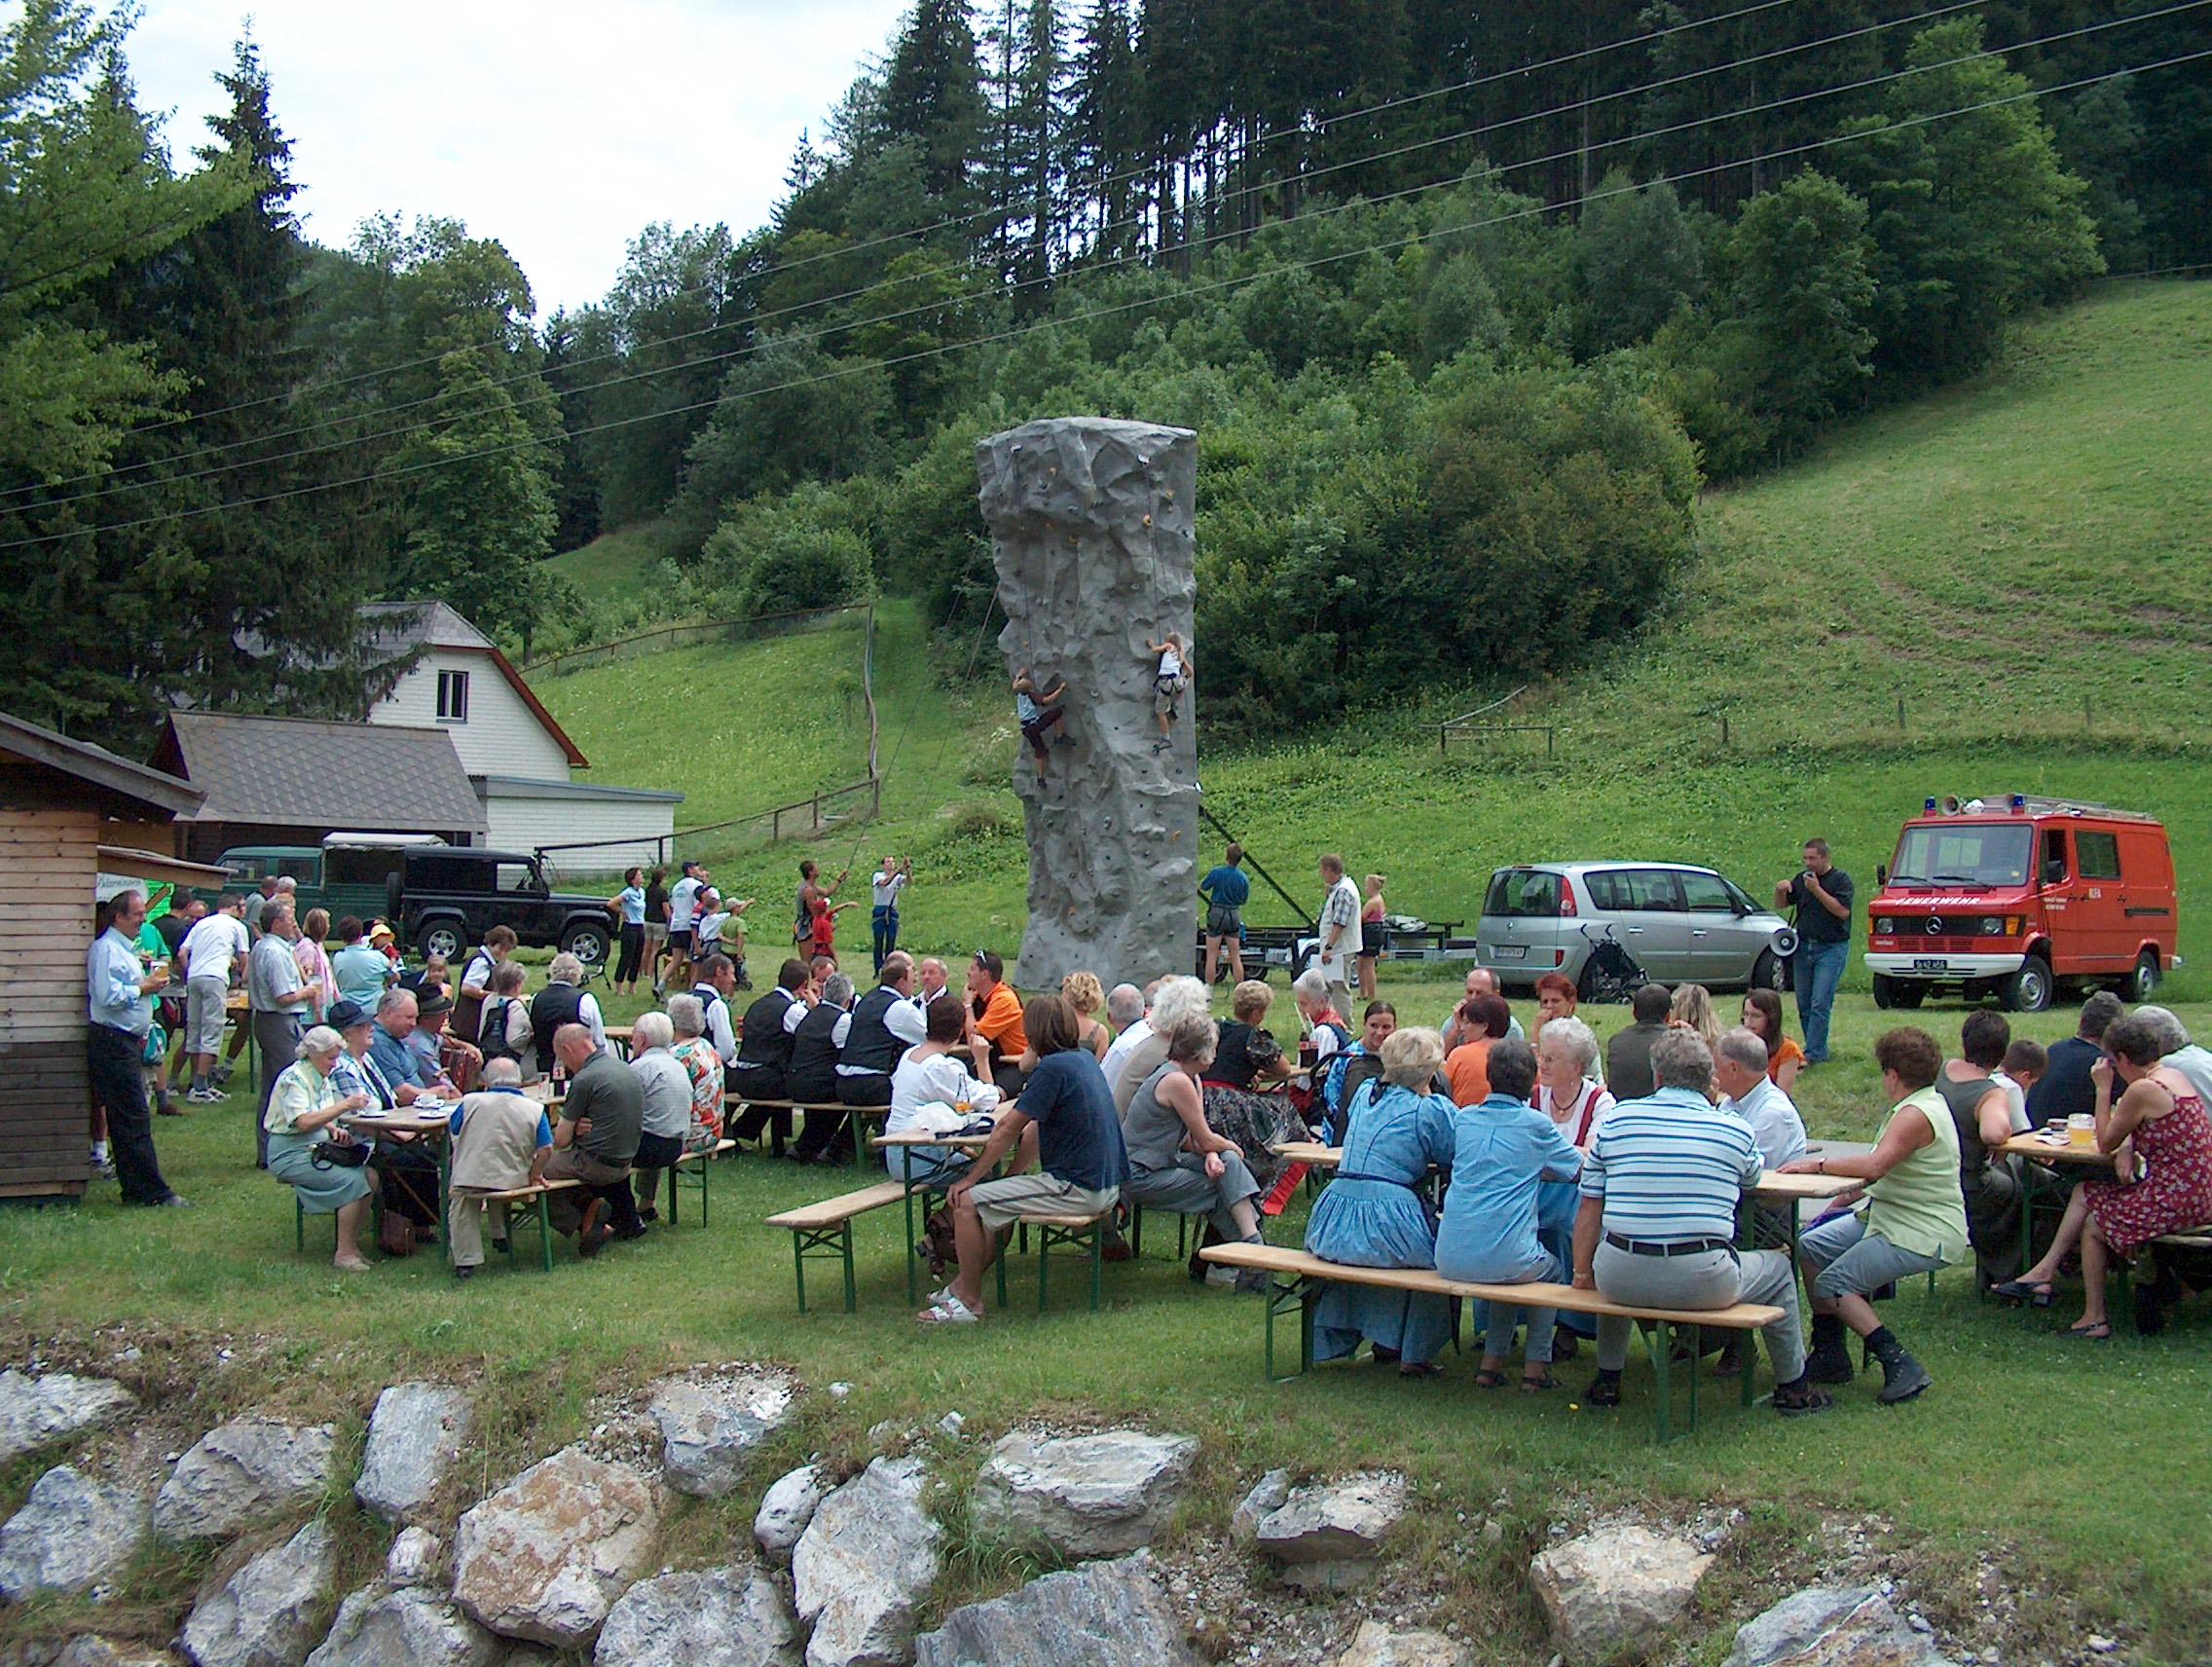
561 128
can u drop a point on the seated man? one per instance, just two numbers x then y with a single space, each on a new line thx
457 1062
816 1049
666 1086
717 977
998 1017
1747 1091
765 1055
1627 1056
1657 1224
500 1141
1078 1145
410 1173
595 1142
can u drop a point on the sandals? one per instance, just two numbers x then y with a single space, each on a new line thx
2022 1292
951 1311
1802 1400
2101 1332
1537 1385
1489 1380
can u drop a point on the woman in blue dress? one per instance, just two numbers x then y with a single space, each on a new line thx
1505 1152
1373 1214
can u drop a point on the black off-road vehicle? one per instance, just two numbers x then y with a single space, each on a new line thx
444 899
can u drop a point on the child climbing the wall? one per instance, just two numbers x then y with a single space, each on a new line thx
1039 712
1169 684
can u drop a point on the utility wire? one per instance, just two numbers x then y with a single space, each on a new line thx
1187 291
997 291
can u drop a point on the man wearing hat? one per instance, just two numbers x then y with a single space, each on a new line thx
456 1061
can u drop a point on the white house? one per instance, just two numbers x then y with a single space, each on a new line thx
518 758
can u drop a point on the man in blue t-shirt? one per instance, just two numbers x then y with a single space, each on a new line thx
1064 1122
1225 889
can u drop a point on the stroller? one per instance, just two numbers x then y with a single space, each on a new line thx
1611 975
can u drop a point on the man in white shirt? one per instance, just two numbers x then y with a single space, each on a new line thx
717 982
1130 1033
120 991
1739 1072
279 999
682 914
883 918
930 979
213 953
1340 931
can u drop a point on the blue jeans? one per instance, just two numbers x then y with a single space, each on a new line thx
1819 969
884 922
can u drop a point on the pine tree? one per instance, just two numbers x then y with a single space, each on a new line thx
931 94
1105 133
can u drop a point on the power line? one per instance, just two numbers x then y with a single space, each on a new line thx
1208 287
1099 183
997 291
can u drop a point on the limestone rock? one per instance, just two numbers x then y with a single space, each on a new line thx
1831 1626
786 1508
545 1557
415 1435
1377 1646
71 1531
380 1628
242 1471
734 1616
708 1427
34 1411
864 1562
1330 1535
266 1614
1083 1496
1613 1585
414 1554
1090 524
88 1650
1100 1612
1269 1495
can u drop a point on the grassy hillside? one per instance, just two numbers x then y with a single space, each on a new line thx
614 563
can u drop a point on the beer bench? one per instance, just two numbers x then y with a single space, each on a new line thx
1292 1275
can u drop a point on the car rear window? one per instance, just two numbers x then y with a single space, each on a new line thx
1521 894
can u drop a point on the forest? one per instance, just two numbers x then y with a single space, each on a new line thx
1466 304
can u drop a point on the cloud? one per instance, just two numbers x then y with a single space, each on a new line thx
560 129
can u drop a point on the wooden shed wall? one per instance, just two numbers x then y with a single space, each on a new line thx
48 870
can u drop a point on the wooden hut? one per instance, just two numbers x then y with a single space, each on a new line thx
70 813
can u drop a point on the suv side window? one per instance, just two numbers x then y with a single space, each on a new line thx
1707 894
1604 893
1648 891
2098 854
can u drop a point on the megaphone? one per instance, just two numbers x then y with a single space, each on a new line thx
1785 941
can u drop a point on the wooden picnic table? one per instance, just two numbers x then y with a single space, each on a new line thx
618 1038
905 1144
2080 1161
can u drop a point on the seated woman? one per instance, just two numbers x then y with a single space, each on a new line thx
1176 1162
1482 1020
1082 992
1762 1018
1246 1052
304 1109
1567 1089
1504 1152
666 1087
1555 995
1982 1114
1353 1065
407 1173
2162 1119
1373 1214
935 1073
702 1068
1692 1010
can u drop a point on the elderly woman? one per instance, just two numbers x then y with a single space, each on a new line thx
304 1109
1373 1214
1083 993
1556 999
701 1069
1175 1000
1762 1018
666 1087
1504 1152
2161 1117
1176 1160
1567 1089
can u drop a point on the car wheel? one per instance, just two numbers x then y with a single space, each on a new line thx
442 937
2143 982
1766 971
1884 991
586 942
2029 990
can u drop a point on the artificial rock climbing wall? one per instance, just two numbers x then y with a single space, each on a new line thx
1090 523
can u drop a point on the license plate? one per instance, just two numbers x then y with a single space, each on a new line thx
1510 951
1929 964
1278 957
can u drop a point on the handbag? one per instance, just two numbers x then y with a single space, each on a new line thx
395 1234
330 1155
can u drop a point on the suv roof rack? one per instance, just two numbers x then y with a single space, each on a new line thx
2037 804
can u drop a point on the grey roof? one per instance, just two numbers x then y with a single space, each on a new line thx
312 772
97 765
526 786
398 626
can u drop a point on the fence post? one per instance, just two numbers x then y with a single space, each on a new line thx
775 824
816 801
1551 738
1901 714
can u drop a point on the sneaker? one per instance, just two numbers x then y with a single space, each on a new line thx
175 1201
201 1096
103 1169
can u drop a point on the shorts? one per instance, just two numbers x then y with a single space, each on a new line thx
1166 692
1004 1202
203 1014
1369 954
655 931
1855 1261
1224 922
681 941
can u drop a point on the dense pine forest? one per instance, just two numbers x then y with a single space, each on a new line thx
1466 304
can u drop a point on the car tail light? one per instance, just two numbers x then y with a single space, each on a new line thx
1567 908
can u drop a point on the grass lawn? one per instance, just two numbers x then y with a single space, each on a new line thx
614 563
1992 1466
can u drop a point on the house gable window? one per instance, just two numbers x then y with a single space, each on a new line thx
453 697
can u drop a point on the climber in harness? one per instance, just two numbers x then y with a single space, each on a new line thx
1040 712
1169 684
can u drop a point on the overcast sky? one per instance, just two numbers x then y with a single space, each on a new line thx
560 127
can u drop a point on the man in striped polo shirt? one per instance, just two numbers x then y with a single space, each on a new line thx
1657 1224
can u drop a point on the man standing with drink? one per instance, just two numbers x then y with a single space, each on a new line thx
1822 896
120 990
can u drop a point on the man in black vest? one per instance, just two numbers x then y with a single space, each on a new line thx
562 1001
717 980
764 1056
813 1075
877 1034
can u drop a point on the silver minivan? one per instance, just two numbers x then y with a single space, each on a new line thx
1683 925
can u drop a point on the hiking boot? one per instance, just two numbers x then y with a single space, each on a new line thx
1801 1399
465 1273
1902 1377
1829 1363
593 1232
1252 1282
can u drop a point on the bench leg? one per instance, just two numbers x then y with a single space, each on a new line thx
706 1191
1285 1295
998 1262
674 1178
298 1226
1136 1228
544 1229
1097 1238
1748 1350
798 1264
913 1256
845 1245
1043 1261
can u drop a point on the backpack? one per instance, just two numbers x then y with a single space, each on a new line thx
492 1037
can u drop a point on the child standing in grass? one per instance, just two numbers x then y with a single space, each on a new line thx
824 933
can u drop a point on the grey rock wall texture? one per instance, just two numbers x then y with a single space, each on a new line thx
1090 523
